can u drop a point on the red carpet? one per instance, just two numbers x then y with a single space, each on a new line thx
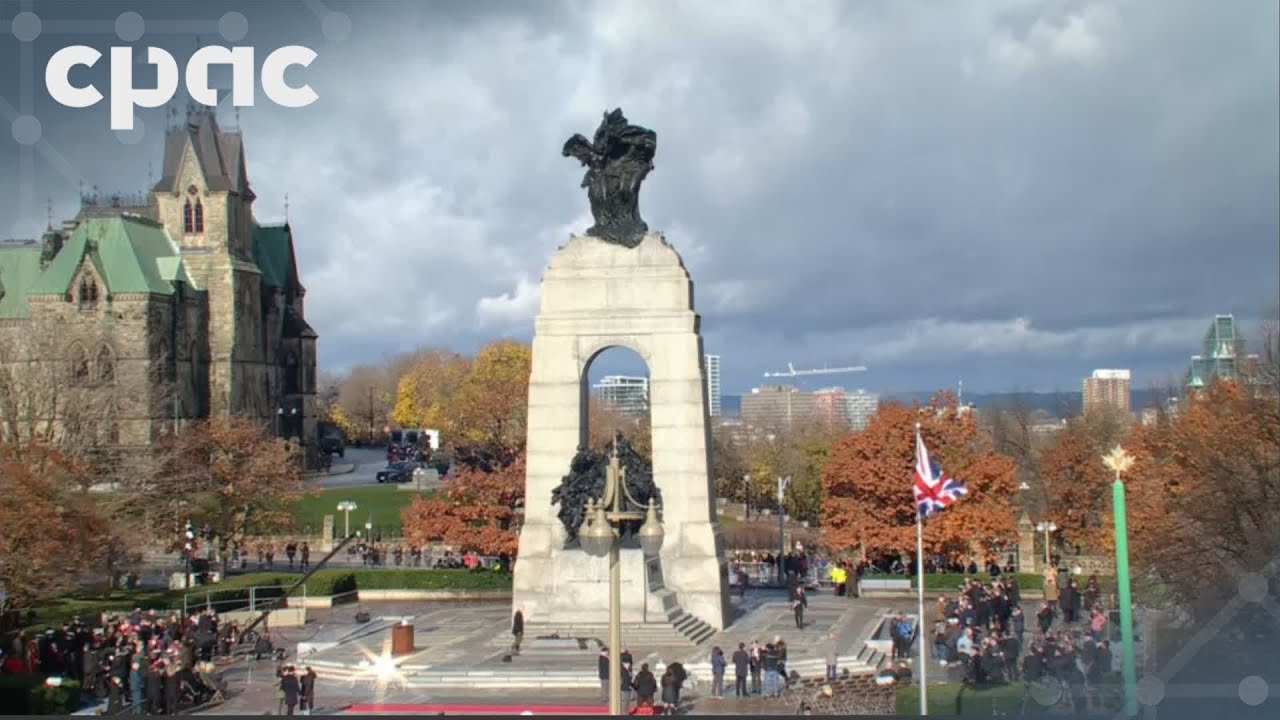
408 709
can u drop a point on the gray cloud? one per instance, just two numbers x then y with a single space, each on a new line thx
1007 191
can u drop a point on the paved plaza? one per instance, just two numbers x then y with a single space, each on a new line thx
462 655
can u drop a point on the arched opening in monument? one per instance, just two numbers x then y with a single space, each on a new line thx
616 399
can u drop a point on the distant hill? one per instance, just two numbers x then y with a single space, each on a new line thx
1057 404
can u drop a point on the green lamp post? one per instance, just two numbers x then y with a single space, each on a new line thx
1119 461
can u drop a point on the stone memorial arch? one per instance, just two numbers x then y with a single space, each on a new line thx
620 286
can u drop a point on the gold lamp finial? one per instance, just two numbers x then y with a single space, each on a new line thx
1118 459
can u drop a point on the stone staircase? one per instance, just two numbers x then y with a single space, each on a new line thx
676 629
681 630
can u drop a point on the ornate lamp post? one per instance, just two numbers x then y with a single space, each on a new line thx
1120 461
600 535
783 482
188 550
1048 528
345 507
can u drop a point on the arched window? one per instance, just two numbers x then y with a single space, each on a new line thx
199 216
106 365
188 218
87 295
79 365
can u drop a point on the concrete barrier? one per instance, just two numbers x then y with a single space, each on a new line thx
881 587
328 601
373 595
290 617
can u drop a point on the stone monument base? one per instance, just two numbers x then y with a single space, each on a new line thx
595 296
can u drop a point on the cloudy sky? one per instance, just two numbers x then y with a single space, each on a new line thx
1006 192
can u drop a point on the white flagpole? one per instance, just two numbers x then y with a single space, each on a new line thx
920 628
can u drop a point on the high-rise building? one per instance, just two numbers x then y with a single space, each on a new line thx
713 385
861 406
1223 358
831 407
776 408
1107 388
630 395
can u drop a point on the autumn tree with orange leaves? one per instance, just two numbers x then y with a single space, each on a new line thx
476 511
50 533
228 473
869 476
1077 484
1203 494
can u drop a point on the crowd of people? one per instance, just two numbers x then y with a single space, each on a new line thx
758 669
983 630
147 663
652 694
377 554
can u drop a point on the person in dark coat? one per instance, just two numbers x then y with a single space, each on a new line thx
171 689
115 696
1069 601
517 629
799 601
308 683
292 689
1045 617
154 688
1018 623
645 684
741 666
602 667
670 690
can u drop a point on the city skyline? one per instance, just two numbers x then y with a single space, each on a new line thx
970 185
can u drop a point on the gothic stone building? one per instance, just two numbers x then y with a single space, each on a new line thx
177 304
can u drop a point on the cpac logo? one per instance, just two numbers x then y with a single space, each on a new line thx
125 97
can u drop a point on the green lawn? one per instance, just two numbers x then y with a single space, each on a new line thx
384 503
996 700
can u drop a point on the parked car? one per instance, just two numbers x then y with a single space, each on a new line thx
397 472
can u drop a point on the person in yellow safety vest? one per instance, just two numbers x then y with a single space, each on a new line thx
839 576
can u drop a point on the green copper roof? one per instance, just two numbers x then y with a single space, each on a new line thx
133 255
19 268
273 252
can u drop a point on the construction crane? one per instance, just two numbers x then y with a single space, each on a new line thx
793 372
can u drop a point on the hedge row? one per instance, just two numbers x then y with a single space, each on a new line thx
338 581
28 695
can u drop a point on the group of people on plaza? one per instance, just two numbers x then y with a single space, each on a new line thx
983 630
652 694
143 662
370 554
298 556
377 554
296 690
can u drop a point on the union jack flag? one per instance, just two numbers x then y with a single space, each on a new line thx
934 490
